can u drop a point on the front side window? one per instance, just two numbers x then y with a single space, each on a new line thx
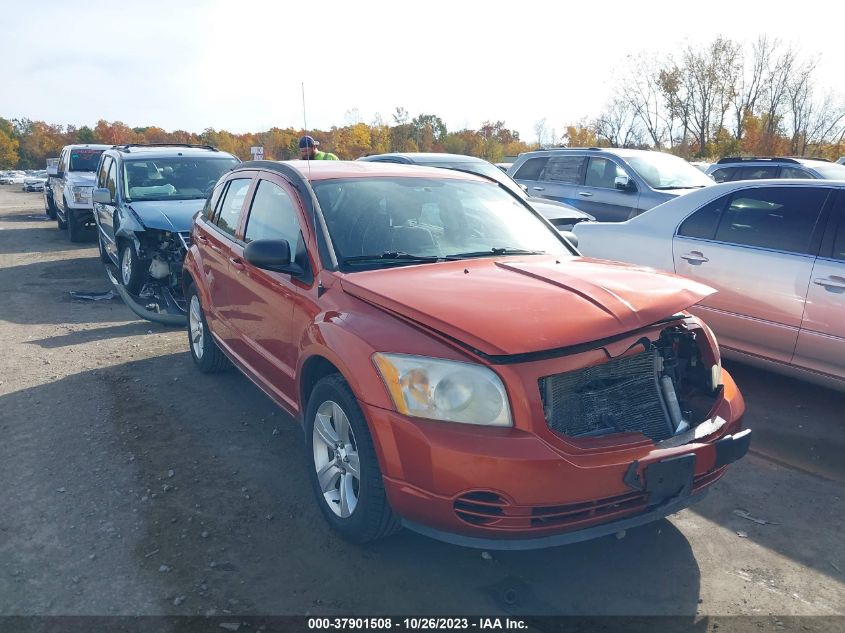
665 171
84 159
101 174
565 169
111 179
778 218
602 172
725 174
173 178
272 216
794 172
230 207
429 217
531 169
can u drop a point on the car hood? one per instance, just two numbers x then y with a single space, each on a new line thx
519 305
81 178
167 215
552 209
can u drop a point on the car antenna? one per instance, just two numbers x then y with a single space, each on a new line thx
305 127
320 288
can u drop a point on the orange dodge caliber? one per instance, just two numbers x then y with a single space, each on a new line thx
458 368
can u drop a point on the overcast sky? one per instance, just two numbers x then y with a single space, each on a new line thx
239 65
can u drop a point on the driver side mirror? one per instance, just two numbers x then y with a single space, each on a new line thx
624 183
103 196
273 255
569 235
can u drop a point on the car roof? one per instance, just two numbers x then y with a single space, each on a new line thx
428 157
165 151
328 169
88 146
768 160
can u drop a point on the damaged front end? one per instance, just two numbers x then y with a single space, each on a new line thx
662 387
148 278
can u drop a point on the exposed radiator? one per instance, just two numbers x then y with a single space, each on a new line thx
621 395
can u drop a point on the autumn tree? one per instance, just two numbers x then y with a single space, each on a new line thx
9 156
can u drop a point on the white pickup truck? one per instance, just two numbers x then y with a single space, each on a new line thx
72 182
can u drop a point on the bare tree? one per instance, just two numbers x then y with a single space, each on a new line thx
710 75
541 131
750 83
618 125
641 88
779 69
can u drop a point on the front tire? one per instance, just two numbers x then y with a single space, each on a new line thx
131 268
207 356
75 231
63 223
344 473
49 207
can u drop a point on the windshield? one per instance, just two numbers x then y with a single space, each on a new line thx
396 218
173 178
84 159
664 171
831 172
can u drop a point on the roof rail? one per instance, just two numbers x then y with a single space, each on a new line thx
126 146
748 159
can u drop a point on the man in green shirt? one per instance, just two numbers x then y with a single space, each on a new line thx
308 150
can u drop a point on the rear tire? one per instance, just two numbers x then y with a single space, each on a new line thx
50 207
338 441
207 356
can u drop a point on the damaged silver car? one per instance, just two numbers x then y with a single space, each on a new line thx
145 198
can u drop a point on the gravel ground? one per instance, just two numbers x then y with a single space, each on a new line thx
132 484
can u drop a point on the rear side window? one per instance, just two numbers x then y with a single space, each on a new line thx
273 215
702 224
531 169
229 210
778 218
839 242
566 169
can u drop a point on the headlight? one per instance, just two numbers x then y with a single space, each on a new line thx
82 195
444 390
715 370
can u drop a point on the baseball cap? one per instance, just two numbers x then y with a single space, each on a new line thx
308 141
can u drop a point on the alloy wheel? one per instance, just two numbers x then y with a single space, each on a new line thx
196 326
336 459
126 266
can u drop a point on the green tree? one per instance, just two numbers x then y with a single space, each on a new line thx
8 150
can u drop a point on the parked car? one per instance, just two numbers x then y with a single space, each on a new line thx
610 184
49 204
457 367
72 181
701 165
35 182
563 216
841 160
143 204
13 178
774 250
761 167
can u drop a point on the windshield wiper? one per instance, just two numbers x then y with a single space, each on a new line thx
393 257
493 252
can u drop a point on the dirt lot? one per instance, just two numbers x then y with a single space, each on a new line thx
131 484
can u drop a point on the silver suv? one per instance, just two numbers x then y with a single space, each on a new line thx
611 184
758 167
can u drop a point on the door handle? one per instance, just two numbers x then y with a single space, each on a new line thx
538 188
695 257
831 283
586 194
237 263
202 239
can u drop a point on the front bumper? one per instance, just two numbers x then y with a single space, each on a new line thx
515 489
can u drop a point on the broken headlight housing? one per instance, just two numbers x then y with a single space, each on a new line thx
82 195
445 390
